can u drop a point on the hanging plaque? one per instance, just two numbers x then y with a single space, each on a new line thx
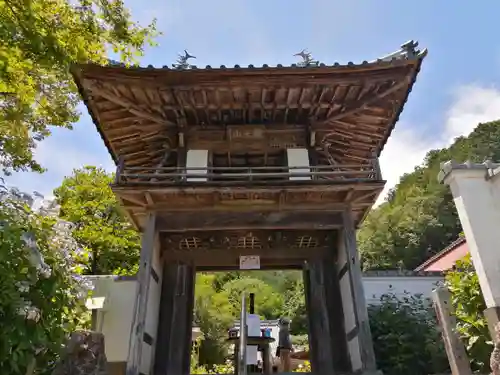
249 262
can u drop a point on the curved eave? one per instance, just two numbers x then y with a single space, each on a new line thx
93 114
401 107
78 70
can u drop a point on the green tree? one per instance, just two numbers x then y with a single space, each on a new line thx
419 218
40 40
268 302
405 336
42 295
100 223
212 313
469 305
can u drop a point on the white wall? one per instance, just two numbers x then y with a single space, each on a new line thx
376 286
115 319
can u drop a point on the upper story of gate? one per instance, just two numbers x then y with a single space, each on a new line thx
306 136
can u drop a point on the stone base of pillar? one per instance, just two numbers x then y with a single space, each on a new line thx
492 315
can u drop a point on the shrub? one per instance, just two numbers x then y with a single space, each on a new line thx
406 339
468 302
42 295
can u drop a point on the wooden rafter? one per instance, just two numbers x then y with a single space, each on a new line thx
99 90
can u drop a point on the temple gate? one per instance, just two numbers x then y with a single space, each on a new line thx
218 164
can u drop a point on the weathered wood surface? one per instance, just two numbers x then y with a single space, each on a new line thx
327 343
455 349
173 347
143 112
245 203
358 294
141 303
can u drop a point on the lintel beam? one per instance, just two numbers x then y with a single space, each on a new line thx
197 221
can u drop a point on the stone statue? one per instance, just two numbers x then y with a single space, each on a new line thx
307 59
182 60
84 355
495 354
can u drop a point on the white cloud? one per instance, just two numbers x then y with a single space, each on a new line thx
408 146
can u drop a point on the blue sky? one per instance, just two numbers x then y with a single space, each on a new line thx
458 86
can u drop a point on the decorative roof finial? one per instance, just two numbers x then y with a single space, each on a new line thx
182 60
307 59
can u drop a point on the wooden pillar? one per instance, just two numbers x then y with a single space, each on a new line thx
455 349
358 334
142 294
336 318
173 348
320 344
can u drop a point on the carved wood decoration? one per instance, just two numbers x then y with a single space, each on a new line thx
222 249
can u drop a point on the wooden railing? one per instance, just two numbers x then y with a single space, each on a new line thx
222 175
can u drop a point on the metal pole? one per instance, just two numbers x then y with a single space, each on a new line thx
242 365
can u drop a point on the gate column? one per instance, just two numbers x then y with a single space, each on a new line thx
173 348
357 326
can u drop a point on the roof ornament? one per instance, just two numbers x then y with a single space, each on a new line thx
407 50
182 61
307 59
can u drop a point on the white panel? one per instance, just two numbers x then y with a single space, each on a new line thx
348 306
298 157
355 354
197 159
146 357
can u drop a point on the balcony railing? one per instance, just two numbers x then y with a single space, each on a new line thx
232 175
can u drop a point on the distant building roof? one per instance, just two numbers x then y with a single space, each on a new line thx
447 250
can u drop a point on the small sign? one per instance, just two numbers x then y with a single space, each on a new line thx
250 262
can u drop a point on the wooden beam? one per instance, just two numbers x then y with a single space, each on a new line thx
141 301
455 349
230 257
197 221
360 105
99 90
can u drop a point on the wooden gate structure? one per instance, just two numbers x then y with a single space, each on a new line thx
279 162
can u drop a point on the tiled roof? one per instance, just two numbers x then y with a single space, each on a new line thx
440 254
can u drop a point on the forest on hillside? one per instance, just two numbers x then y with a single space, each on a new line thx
419 217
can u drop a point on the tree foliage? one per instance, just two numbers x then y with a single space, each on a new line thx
42 295
40 40
419 218
469 306
101 226
406 338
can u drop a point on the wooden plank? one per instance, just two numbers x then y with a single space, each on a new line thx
320 344
141 302
358 294
333 299
230 257
173 347
455 349
191 221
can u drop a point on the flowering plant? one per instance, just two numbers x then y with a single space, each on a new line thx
42 296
